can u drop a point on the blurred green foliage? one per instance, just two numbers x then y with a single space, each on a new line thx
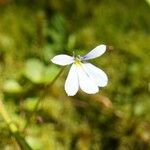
31 33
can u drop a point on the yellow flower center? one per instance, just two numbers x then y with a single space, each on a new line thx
77 61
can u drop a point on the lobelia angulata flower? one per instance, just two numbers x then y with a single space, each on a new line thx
83 75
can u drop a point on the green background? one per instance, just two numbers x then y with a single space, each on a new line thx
33 32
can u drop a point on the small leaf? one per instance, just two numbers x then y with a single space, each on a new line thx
148 1
50 73
34 142
34 70
12 86
29 104
48 52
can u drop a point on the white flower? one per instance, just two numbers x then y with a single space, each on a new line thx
83 74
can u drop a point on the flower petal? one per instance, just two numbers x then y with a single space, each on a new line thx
96 74
62 60
86 83
72 83
96 52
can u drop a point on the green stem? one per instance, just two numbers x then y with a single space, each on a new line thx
13 128
46 89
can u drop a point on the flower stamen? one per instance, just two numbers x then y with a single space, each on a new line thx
77 61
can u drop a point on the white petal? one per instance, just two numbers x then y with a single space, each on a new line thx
72 83
96 74
86 83
96 52
62 60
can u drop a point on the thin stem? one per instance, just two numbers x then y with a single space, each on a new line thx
46 89
13 128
